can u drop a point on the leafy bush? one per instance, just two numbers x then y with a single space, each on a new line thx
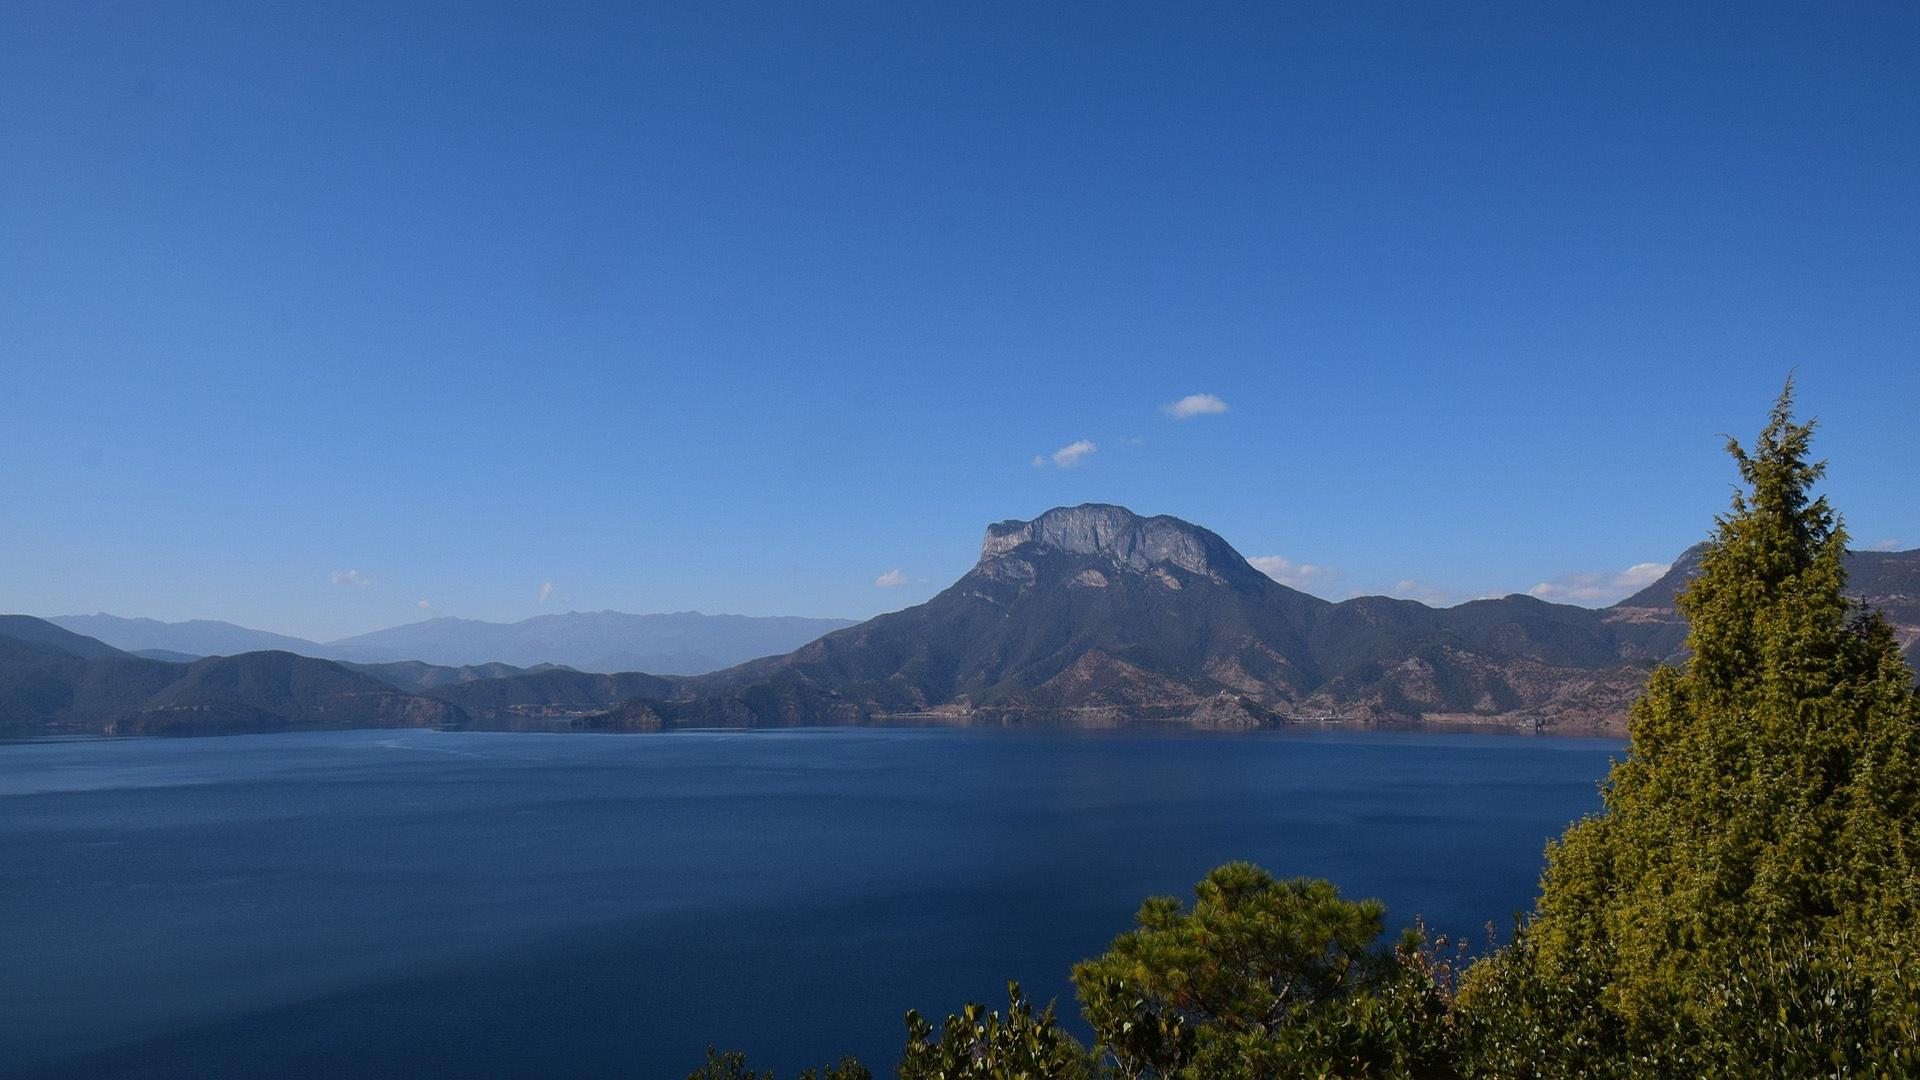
983 1044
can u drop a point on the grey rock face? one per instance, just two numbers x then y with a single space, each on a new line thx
1113 532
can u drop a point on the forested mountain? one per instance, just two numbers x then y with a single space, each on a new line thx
26 628
55 682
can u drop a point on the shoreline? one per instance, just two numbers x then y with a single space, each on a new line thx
896 722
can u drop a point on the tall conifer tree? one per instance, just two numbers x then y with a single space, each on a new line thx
1759 841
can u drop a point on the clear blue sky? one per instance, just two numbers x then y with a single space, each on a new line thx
739 308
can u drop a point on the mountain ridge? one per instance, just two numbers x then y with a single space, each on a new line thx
684 642
1088 616
55 682
1092 615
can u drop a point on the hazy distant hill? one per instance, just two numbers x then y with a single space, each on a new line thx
196 637
54 682
682 643
415 675
26 628
167 655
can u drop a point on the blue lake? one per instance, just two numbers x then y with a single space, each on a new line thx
431 904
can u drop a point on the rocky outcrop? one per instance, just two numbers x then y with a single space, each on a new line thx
1117 536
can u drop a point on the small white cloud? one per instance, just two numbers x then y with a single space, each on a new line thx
1884 545
1293 574
351 577
1600 588
424 606
1067 456
1408 589
892 579
1194 405
546 591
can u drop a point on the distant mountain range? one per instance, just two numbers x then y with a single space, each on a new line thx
1084 616
195 638
53 681
680 643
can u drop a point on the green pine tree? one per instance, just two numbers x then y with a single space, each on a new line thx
1751 887
1262 978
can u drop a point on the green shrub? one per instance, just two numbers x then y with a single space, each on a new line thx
976 1043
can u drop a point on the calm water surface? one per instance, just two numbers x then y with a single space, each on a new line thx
432 904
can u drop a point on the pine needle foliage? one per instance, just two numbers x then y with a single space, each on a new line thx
1261 977
1749 895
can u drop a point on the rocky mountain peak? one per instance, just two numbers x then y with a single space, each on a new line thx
1116 534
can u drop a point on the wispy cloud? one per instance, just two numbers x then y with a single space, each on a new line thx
1194 405
1295 575
1884 545
892 579
351 577
1068 456
546 591
1599 588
